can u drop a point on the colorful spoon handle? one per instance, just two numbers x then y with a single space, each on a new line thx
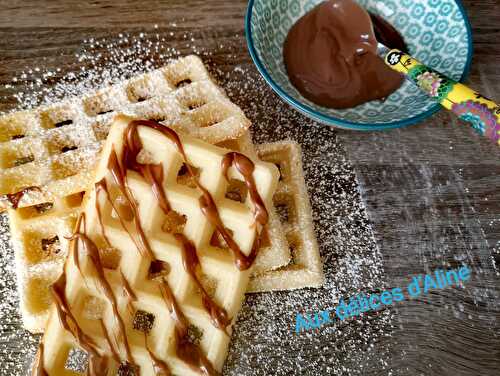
469 105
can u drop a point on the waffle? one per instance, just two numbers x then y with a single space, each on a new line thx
144 292
39 235
54 148
37 149
274 251
291 201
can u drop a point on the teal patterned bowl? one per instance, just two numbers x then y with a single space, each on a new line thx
437 32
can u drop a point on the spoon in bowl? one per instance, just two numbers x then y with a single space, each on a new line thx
467 104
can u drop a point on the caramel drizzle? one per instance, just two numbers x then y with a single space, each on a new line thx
209 209
120 179
76 260
115 354
102 186
93 253
38 368
15 198
192 264
98 364
244 165
159 366
98 189
194 357
153 174
127 289
186 351
142 247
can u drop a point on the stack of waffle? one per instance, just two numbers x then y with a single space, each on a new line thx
49 158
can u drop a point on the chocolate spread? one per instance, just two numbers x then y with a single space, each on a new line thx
331 56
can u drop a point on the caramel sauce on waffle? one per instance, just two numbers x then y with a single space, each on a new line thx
187 351
38 369
93 253
114 353
127 289
191 263
15 198
159 366
98 364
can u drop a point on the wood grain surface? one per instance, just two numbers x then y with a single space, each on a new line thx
431 190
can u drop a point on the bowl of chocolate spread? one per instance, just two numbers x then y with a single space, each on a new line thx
320 56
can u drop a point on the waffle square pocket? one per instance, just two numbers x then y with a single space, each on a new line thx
143 289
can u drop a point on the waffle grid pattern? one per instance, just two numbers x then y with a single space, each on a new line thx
42 222
85 294
37 269
305 268
39 235
55 147
274 251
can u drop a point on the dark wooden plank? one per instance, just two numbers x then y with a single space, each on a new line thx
432 193
124 13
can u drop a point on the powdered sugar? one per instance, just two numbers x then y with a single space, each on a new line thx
264 338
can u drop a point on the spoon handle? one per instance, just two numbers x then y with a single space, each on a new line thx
467 104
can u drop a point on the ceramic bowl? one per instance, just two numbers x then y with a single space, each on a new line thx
437 32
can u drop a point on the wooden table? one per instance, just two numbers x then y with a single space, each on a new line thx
431 190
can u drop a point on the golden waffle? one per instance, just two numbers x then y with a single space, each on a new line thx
38 236
39 232
292 203
134 295
54 148
274 251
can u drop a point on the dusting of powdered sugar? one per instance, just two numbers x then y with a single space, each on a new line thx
17 347
264 341
352 263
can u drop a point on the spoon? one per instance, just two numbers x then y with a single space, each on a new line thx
467 104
